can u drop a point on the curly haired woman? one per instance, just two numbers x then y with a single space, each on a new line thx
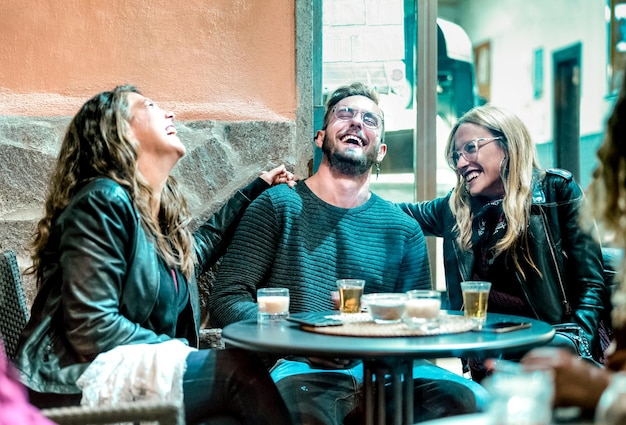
115 261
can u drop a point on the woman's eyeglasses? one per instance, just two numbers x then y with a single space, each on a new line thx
469 150
370 120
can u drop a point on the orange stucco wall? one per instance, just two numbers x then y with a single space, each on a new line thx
204 59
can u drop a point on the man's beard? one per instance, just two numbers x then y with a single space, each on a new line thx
345 162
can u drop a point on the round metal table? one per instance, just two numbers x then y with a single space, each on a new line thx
386 356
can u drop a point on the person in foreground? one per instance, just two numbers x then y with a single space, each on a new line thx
580 383
511 223
115 262
330 227
14 405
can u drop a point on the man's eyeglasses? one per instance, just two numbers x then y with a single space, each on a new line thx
370 120
469 150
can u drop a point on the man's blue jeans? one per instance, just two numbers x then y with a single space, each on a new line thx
333 396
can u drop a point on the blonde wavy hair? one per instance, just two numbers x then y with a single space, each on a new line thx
96 145
516 171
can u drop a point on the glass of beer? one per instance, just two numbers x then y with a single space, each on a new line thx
350 292
475 297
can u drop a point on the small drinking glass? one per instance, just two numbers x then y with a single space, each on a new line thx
520 397
422 308
386 308
475 297
350 292
273 305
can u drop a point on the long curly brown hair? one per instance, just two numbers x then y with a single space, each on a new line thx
607 189
607 193
96 146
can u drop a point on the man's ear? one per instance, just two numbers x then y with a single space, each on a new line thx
382 151
319 138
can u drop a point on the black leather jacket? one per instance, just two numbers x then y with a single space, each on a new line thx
101 281
570 260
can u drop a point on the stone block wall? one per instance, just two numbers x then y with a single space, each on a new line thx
221 157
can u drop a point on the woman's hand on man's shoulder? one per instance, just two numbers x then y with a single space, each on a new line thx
279 175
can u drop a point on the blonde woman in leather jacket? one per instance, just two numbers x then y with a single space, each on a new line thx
116 260
509 222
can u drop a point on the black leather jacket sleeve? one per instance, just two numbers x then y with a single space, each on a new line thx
214 235
434 217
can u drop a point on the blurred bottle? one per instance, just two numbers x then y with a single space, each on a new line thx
611 408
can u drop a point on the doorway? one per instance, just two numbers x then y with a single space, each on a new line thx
566 109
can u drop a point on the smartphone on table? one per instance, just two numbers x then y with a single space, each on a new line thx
501 327
315 319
